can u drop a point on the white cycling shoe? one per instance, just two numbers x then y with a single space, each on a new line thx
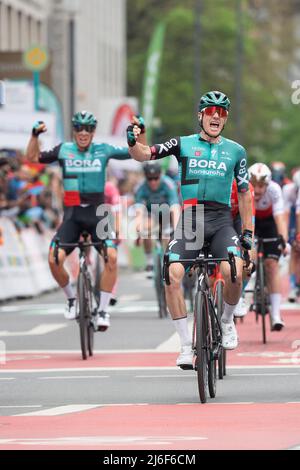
241 309
293 295
185 359
277 325
230 339
103 321
70 310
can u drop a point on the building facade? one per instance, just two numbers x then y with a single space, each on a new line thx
88 48
86 41
22 23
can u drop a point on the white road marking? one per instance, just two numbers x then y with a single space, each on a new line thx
130 298
164 376
129 369
265 375
103 440
61 410
19 406
7 378
75 377
68 409
37 331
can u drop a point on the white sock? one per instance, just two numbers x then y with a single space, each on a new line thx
104 301
275 307
183 331
149 258
227 316
69 291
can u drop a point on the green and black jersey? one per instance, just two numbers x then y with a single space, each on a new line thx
84 173
207 171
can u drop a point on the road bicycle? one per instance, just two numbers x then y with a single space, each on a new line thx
207 331
87 302
261 300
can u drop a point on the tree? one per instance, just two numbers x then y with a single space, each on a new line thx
269 47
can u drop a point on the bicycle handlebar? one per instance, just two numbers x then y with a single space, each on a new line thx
279 239
201 261
81 245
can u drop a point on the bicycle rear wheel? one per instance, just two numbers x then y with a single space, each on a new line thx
219 306
200 343
212 362
83 315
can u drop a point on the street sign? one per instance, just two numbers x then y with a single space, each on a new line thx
36 58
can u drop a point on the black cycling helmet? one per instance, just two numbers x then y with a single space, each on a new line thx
152 169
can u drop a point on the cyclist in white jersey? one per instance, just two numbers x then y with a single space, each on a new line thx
291 196
270 223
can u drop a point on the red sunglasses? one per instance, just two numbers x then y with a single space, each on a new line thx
211 110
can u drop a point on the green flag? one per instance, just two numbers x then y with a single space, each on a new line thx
152 76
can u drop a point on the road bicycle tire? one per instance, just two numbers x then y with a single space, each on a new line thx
82 318
160 288
219 306
201 329
263 310
212 362
90 325
98 274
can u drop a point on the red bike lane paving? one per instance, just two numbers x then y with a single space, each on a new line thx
282 349
158 427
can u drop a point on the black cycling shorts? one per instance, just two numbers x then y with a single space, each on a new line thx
217 229
266 228
82 219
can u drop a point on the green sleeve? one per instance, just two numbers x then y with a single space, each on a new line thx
118 153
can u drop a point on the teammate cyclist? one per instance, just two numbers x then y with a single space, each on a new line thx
83 165
157 194
208 165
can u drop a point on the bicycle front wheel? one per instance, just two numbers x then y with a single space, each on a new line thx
200 343
83 316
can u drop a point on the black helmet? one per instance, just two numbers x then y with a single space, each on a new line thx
152 169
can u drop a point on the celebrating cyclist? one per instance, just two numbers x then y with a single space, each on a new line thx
291 196
270 222
157 194
83 164
208 165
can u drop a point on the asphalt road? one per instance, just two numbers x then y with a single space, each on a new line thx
134 381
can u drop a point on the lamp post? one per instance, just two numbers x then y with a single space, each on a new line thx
198 38
239 70
72 8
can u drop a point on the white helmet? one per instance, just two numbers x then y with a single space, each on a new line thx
296 179
260 173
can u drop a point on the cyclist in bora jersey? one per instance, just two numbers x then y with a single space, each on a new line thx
270 222
83 164
156 195
208 165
